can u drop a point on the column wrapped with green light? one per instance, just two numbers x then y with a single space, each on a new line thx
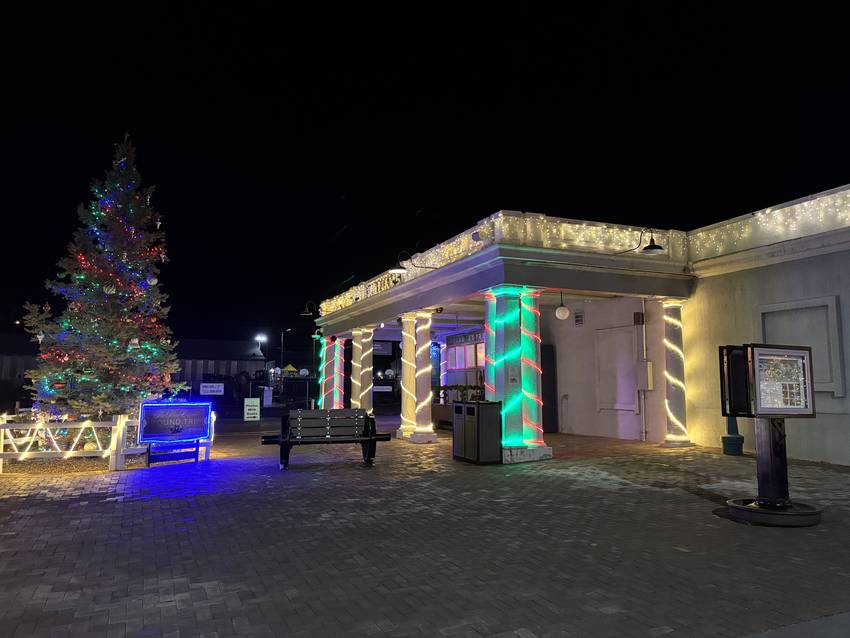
489 347
507 366
339 374
674 374
325 374
532 402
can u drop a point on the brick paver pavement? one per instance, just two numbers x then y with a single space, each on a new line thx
608 539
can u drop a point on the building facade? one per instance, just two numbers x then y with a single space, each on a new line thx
634 344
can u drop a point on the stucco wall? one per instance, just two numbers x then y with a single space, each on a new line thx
803 302
581 350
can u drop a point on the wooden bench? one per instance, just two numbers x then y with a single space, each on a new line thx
315 427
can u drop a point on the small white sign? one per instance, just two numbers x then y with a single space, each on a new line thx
212 388
251 410
382 388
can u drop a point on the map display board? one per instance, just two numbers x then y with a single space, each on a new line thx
782 381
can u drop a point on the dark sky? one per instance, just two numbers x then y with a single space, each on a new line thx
293 151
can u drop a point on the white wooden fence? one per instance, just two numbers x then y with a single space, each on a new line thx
66 439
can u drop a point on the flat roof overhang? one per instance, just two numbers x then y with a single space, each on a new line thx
501 264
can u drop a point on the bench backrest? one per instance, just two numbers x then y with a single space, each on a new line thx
324 424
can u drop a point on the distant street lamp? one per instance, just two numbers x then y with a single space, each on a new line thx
282 332
260 339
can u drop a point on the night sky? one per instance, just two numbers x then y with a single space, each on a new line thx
294 151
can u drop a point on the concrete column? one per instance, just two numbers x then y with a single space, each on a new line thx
444 370
424 431
365 398
512 352
532 398
326 374
408 373
489 347
339 373
356 354
674 374
507 368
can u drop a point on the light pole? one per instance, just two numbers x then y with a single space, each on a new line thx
260 339
282 332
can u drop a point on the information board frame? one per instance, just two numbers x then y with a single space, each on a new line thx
758 351
144 408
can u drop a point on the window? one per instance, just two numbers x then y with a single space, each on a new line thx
459 363
465 357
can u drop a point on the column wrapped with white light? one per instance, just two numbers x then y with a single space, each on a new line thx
674 375
356 355
408 373
424 431
444 371
365 398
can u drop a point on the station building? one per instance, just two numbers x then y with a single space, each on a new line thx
632 351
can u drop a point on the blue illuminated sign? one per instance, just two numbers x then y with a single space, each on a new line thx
174 422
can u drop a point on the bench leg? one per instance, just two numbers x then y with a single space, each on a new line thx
368 451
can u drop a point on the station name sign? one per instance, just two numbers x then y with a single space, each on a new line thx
174 422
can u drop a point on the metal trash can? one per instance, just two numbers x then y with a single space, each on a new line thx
477 431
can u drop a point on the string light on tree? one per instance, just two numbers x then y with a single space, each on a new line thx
110 348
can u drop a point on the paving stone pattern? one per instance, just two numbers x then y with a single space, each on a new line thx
608 539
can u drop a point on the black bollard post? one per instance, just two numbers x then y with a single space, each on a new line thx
771 463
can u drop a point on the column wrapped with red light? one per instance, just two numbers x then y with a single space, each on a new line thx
532 402
326 374
339 375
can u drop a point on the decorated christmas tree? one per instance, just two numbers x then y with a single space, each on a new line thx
108 349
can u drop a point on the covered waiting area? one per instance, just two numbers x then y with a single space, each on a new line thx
499 278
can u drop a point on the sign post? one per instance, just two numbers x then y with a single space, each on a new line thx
212 389
251 409
769 383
